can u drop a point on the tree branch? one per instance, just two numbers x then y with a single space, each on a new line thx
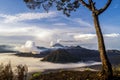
105 7
90 1
92 5
85 4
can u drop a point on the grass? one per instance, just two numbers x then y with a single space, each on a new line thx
87 74
73 75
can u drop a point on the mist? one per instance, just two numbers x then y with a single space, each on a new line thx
34 64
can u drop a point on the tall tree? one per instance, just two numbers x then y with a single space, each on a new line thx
67 6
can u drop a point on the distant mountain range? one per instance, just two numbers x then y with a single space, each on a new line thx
77 54
72 54
61 54
6 49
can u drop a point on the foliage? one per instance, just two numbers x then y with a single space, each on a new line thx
66 6
35 75
7 73
74 75
116 68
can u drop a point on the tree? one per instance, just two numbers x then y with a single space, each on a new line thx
67 6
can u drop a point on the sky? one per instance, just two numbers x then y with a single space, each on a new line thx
19 24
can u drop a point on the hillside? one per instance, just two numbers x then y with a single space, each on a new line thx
6 49
77 54
42 54
83 53
60 56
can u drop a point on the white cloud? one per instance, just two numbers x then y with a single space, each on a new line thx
92 36
43 36
60 24
112 35
82 22
79 21
28 47
27 16
45 33
84 36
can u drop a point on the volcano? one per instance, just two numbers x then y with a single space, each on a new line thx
60 56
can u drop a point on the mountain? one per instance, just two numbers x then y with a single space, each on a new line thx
114 56
39 47
83 53
42 53
6 49
113 51
60 56
72 54
57 46
76 54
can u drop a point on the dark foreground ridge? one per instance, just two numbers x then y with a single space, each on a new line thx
73 75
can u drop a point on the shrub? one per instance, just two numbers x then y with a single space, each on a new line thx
7 73
36 74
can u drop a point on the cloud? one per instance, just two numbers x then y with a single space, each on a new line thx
90 40
60 24
28 47
84 36
18 34
13 32
92 36
44 35
82 22
112 35
27 16
79 22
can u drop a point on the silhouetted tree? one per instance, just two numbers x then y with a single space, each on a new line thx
67 6
7 72
22 72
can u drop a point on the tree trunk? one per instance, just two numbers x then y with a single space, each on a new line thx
106 65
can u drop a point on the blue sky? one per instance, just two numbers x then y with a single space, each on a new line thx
19 24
